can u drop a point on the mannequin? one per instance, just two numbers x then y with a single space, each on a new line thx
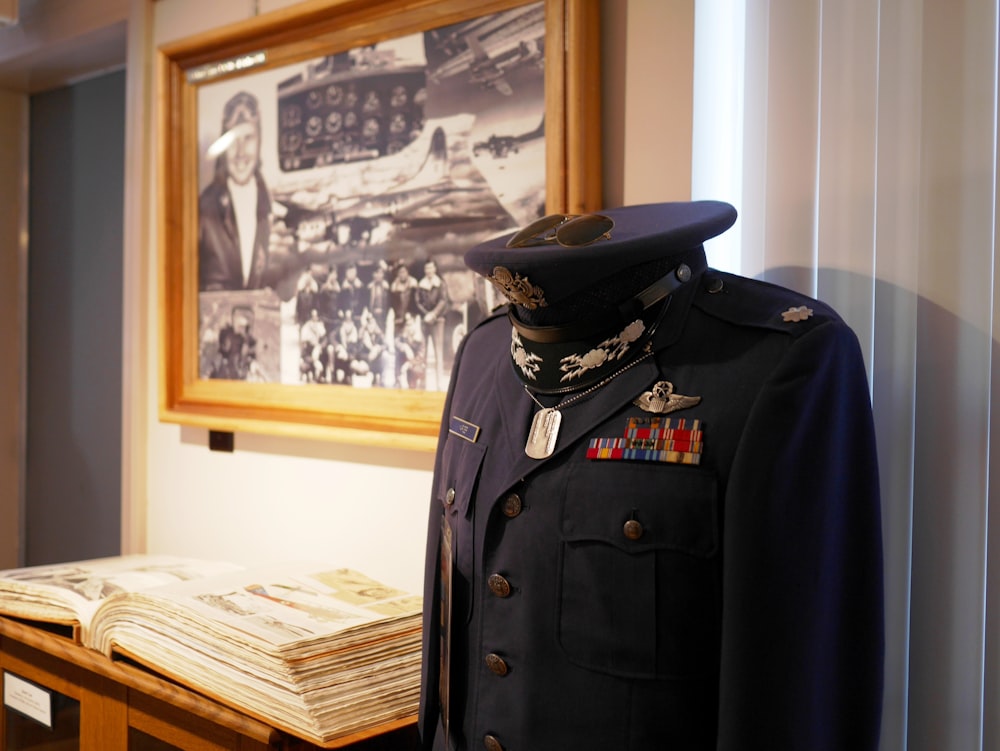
655 518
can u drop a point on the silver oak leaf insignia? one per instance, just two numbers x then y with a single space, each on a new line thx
661 399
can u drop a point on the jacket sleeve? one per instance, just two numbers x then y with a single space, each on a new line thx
802 629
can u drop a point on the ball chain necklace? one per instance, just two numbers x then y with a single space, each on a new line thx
545 424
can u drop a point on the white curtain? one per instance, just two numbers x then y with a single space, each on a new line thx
858 139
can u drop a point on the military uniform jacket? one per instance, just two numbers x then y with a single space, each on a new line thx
730 604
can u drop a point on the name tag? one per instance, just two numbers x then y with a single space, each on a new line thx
463 429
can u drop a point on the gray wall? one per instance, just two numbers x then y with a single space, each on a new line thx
73 476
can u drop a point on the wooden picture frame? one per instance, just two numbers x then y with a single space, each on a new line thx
237 352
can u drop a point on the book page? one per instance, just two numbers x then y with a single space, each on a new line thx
313 648
68 592
280 606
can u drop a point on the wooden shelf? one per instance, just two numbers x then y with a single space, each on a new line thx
121 703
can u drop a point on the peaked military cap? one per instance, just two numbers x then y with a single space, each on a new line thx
535 274
588 292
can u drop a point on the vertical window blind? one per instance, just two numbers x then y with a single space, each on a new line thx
858 139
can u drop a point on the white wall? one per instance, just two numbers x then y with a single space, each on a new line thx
275 498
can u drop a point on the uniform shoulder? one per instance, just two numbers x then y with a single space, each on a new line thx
759 304
491 332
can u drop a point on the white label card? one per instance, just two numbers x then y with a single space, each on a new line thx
26 698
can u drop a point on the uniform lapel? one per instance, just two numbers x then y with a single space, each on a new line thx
510 463
579 418
515 408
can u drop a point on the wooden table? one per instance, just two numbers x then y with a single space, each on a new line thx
107 705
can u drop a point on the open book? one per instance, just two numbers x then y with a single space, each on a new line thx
320 651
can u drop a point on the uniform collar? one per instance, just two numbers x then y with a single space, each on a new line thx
578 355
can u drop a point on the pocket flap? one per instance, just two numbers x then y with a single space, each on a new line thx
638 507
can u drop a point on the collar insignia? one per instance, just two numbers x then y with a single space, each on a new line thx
613 349
793 315
528 362
661 399
518 288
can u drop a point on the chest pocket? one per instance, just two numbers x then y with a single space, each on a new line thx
461 464
639 582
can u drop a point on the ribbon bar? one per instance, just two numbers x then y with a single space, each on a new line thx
652 439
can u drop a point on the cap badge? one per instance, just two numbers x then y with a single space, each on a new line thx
528 362
575 365
661 399
518 288
793 315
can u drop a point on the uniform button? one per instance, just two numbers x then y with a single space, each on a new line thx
633 529
683 272
491 743
449 497
499 585
496 664
715 285
512 505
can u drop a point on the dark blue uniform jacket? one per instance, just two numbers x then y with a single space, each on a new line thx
745 609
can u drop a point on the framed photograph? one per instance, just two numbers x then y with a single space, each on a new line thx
322 171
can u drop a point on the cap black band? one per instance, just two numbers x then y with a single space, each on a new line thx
560 359
630 310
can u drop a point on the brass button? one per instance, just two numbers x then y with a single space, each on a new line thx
496 664
683 273
491 743
633 529
715 285
512 505
449 497
499 585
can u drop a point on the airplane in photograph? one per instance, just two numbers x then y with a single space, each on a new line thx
489 72
488 48
502 146
368 219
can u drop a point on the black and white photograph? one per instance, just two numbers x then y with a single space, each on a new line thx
325 170
337 196
238 335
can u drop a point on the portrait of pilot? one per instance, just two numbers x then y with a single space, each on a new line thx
234 210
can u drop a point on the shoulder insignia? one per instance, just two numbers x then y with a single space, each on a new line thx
796 314
758 304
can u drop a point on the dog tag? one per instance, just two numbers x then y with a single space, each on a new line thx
543 434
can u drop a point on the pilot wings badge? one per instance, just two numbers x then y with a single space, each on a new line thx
661 399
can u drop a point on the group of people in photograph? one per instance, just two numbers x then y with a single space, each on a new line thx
380 332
